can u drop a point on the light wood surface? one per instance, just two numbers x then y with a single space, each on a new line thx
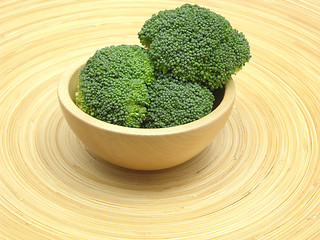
259 179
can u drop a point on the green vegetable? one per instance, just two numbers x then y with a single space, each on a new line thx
194 44
174 103
191 52
113 85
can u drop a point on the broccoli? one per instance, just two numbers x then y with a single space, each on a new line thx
194 44
191 52
173 102
113 85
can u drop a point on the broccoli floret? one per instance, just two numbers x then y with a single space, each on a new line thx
173 102
113 85
194 44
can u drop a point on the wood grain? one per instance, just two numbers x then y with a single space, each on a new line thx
259 179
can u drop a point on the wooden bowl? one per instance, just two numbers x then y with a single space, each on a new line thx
137 148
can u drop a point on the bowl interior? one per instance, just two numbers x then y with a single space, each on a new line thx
73 84
218 95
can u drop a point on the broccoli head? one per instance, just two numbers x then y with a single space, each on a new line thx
194 44
173 102
113 85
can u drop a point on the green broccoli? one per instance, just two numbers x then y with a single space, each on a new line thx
194 44
113 85
190 53
173 102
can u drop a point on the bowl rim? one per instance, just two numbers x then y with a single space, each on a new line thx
66 101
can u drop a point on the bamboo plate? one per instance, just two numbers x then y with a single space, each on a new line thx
259 179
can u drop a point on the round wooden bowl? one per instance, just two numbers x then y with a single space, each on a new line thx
142 149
